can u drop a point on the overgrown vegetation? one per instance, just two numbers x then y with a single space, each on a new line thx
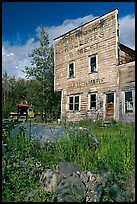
116 151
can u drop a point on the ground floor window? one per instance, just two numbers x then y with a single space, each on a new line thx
128 102
74 103
92 101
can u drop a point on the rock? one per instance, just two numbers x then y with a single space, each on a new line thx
96 185
116 195
84 178
50 179
96 195
46 133
70 189
68 168
68 183
129 185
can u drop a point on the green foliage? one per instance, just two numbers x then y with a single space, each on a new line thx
73 146
116 151
13 91
17 179
6 108
41 89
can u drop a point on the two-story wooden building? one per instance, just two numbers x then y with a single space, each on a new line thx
94 72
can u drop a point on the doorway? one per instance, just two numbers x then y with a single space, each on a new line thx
109 110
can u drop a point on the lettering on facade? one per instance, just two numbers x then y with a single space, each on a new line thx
86 83
68 46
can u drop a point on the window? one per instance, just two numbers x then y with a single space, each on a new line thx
110 98
74 103
71 70
128 102
93 63
93 101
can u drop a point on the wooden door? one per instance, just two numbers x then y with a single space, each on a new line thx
109 107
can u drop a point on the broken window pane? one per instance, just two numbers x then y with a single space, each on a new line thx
128 102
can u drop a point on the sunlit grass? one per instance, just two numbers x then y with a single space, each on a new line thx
116 151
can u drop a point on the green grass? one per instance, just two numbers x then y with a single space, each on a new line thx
116 151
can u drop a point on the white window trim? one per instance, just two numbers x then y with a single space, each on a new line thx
74 69
94 55
73 111
89 100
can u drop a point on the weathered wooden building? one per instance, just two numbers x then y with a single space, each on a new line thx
94 72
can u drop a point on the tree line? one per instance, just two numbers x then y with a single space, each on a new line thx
38 86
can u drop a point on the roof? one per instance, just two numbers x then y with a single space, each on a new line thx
22 105
126 49
85 23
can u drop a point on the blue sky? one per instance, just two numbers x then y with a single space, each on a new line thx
21 23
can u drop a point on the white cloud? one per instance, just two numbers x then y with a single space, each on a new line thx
15 57
67 25
127 31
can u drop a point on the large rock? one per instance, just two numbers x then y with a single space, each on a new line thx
68 183
68 168
46 133
50 179
70 189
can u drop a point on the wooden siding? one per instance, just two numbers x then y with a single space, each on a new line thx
127 83
77 46
127 75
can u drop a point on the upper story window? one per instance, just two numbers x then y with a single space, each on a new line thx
74 103
93 63
128 102
92 101
71 70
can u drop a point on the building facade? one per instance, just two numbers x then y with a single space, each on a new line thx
94 72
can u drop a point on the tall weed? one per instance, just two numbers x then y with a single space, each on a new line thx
116 151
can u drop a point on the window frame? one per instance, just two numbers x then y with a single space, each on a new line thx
73 70
90 70
74 103
89 104
125 102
